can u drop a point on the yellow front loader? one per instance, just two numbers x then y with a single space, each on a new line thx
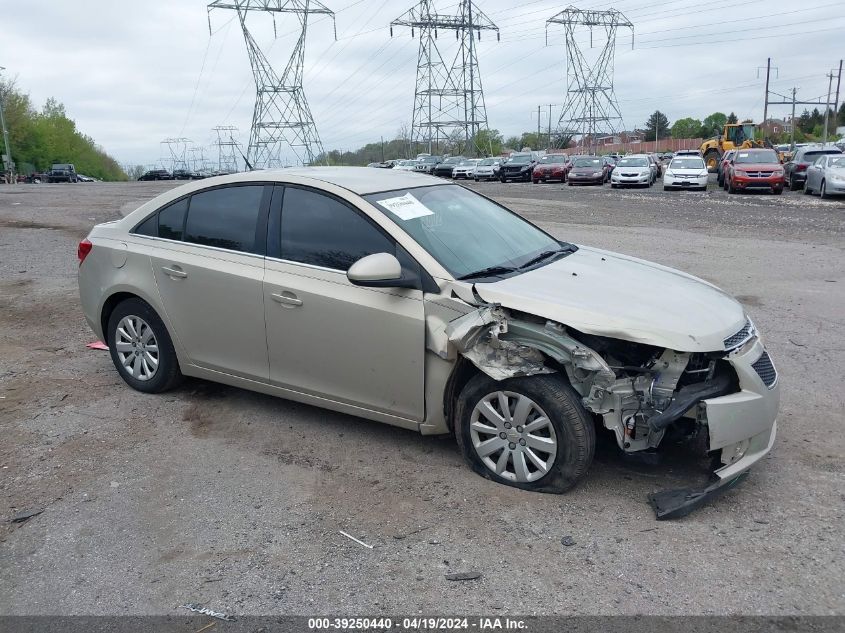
734 136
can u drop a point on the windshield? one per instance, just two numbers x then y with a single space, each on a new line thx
429 159
468 162
764 157
455 160
690 162
588 162
554 158
836 162
633 162
519 159
490 161
462 230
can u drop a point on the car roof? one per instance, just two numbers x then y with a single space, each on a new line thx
359 180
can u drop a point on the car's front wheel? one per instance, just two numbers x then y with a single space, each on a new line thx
528 432
141 348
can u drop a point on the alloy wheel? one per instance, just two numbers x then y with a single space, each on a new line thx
513 436
136 347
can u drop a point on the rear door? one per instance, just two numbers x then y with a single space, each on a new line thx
209 269
326 336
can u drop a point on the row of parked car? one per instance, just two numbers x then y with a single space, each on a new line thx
817 169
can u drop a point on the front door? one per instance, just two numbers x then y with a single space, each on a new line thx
328 337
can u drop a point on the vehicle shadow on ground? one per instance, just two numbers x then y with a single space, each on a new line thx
262 423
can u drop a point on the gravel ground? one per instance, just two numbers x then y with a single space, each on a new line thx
215 495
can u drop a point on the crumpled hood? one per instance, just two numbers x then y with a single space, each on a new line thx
608 294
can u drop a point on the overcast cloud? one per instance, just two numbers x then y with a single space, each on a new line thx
134 73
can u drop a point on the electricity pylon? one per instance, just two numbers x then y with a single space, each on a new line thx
449 99
590 108
227 148
177 149
281 117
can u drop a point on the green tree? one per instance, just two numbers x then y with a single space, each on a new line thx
713 124
686 128
39 139
732 118
657 126
489 142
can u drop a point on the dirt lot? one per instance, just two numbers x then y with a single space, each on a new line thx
219 496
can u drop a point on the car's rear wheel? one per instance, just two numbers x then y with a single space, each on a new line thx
528 432
792 185
141 348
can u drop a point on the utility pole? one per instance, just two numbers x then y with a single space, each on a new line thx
8 163
827 106
792 127
538 127
550 126
836 101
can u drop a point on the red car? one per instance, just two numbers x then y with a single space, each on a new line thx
722 167
754 169
551 167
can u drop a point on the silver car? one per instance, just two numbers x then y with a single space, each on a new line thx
403 299
826 176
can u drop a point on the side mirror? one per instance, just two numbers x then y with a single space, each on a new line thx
379 270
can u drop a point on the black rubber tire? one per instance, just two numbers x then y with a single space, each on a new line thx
807 190
792 185
823 191
777 191
168 374
573 426
613 185
715 156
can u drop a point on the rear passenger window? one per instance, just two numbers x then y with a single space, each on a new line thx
148 227
171 219
322 231
225 218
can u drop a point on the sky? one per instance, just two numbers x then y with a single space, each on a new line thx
132 74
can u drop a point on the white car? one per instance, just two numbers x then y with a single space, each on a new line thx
632 170
487 169
686 172
405 165
465 169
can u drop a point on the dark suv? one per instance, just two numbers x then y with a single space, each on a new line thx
156 174
795 170
519 166
62 172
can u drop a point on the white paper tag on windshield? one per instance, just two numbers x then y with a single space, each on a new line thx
406 207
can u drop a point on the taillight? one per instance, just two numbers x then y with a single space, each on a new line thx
802 166
83 249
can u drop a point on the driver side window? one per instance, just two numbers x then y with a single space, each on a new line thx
322 231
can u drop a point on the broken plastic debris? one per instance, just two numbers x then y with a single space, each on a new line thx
97 345
20 517
355 539
196 608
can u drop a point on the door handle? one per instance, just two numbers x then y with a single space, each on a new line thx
286 299
176 272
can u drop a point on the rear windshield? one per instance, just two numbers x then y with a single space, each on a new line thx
768 158
810 157
685 162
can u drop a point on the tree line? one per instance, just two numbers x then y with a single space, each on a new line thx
809 126
39 138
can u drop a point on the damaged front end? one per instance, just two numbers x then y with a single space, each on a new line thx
722 402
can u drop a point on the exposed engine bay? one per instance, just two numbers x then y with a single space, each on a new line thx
638 390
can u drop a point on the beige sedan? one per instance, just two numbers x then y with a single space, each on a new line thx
397 297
